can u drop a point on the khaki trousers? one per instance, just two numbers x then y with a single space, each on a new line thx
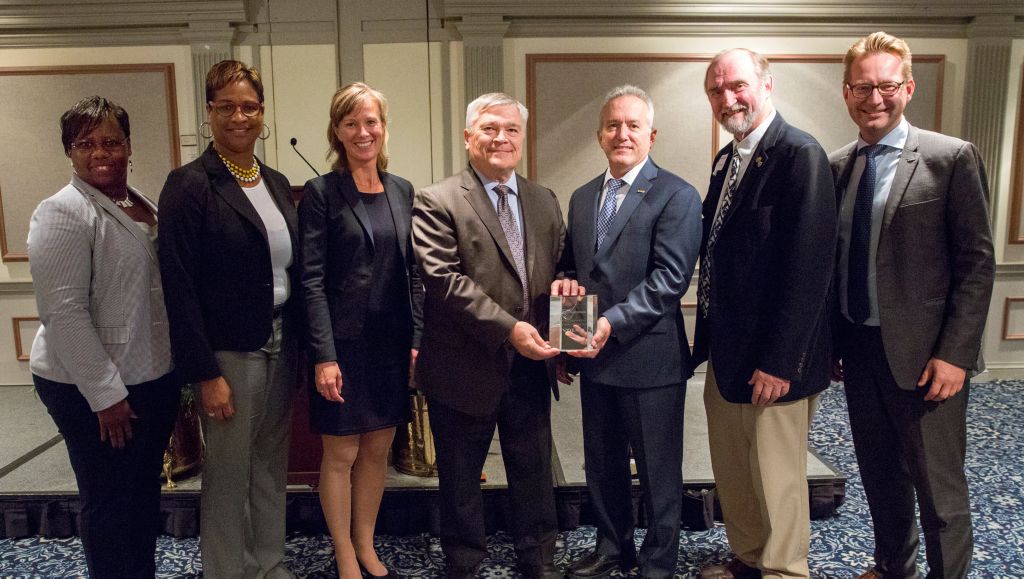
759 459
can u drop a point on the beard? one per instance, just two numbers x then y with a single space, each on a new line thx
738 125
741 124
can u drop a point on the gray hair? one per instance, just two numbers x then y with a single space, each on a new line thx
492 99
759 60
629 90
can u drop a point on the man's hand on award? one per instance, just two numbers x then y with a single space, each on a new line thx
328 380
525 339
601 333
567 287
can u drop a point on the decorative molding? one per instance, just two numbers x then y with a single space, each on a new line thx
987 83
483 54
1016 230
33 14
16 288
801 17
19 352
1007 305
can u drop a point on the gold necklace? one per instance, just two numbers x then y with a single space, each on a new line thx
249 175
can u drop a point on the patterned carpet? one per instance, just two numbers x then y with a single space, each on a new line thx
840 546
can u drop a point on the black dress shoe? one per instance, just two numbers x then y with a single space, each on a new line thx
599 565
548 571
365 573
456 572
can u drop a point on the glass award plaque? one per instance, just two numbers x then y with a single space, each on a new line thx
572 322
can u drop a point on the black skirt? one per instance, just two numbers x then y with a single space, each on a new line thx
375 386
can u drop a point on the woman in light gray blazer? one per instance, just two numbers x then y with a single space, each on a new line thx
101 361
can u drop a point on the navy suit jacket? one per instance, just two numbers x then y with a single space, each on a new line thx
639 274
773 265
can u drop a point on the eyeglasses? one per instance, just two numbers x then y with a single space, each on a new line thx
108 145
228 108
886 89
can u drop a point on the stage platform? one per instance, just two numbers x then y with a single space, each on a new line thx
38 494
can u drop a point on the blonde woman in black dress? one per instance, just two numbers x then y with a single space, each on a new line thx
363 300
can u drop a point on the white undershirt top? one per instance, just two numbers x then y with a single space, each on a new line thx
278 238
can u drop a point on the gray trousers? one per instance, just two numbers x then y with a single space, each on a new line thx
908 450
242 526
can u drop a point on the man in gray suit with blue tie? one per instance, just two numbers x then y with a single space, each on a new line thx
633 237
914 279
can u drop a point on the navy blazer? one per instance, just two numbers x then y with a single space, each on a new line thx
639 274
773 267
215 264
337 258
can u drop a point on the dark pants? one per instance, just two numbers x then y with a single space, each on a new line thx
523 419
650 421
119 488
908 447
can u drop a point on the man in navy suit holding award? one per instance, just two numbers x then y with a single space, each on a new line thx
633 237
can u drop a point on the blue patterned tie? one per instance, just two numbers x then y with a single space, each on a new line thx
608 208
707 262
857 303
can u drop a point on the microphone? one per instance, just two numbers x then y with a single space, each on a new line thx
294 142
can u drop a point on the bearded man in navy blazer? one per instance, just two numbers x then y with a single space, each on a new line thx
766 265
915 271
633 239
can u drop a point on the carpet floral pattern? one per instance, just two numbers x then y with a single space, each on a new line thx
841 546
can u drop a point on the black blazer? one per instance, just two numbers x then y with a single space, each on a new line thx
773 266
215 264
639 275
337 258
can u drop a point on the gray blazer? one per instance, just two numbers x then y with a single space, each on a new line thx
100 300
935 262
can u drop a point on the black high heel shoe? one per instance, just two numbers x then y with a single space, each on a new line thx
368 575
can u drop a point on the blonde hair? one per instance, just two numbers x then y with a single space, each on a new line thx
878 42
344 102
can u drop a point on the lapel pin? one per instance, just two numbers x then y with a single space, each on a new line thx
759 161
641 191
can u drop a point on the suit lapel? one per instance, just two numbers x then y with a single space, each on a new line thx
904 171
114 211
759 164
348 191
399 211
843 182
630 202
481 203
224 185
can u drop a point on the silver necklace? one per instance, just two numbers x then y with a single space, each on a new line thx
124 203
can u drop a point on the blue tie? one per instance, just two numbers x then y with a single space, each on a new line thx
608 208
857 303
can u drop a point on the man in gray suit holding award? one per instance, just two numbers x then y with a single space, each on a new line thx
633 237
487 241
914 278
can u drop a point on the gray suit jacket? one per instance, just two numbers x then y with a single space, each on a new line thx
473 294
100 300
935 261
